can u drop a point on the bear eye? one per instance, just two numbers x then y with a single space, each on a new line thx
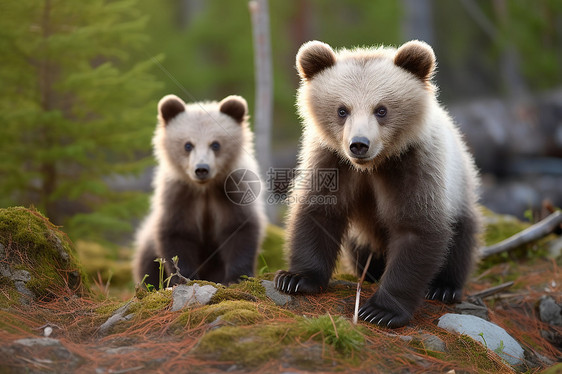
381 111
342 112
188 146
215 146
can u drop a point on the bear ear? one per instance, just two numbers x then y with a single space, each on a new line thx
169 107
416 57
235 107
313 57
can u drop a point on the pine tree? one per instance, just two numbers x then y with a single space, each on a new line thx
74 110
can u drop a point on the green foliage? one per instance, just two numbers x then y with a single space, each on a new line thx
75 111
335 331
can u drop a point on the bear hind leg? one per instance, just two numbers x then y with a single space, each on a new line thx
447 286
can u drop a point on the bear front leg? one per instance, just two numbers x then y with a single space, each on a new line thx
413 260
314 238
181 244
239 250
447 286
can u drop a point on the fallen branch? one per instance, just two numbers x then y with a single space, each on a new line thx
491 291
530 234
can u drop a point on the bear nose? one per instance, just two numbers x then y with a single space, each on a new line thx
359 145
202 171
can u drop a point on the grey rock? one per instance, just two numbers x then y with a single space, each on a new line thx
554 248
5 271
490 335
21 275
549 311
48 353
433 343
41 342
472 309
24 291
184 296
118 316
278 298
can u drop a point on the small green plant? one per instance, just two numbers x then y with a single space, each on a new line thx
500 349
161 262
483 339
149 287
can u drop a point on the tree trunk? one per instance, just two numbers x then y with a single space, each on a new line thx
263 111
47 169
418 20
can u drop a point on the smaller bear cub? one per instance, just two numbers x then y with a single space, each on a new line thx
200 147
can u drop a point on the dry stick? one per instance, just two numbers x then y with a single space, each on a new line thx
492 290
175 263
530 234
356 314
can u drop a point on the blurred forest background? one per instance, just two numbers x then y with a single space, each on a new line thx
79 84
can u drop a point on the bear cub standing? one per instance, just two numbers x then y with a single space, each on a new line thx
198 146
407 183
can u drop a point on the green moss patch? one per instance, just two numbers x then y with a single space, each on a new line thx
335 331
32 244
249 345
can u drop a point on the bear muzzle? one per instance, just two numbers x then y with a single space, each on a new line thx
202 171
359 146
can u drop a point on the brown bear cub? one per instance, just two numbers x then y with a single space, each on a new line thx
204 150
407 183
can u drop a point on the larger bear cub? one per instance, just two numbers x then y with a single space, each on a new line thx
203 150
407 183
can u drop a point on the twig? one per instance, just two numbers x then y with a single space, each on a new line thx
492 290
175 263
530 234
356 313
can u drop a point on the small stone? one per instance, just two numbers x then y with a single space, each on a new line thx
185 296
488 334
433 343
5 271
117 317
472 309
47 331
278 298
21 275
24 291
549 311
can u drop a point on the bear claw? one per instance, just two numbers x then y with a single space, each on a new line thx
288 282
448 295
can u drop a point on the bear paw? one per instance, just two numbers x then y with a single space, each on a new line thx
446 294
373 313
288 282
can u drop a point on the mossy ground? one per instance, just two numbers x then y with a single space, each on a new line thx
242 330
32 244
